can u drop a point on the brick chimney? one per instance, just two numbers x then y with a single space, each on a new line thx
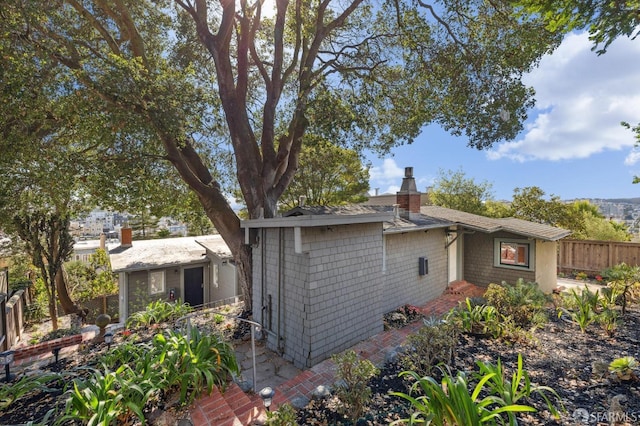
408 198
125 237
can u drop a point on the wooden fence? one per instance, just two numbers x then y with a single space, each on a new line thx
595 256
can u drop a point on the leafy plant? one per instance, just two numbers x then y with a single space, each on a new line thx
519 387
624 368
476 319
609 319
12 392
523 301
354 373
450 403
581 306
284 416
432 344
158 311
622 278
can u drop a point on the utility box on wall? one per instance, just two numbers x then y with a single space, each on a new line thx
423 266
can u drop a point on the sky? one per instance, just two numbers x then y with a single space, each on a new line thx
573 145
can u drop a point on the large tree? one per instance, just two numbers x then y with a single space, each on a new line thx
327 175
455 191
223 76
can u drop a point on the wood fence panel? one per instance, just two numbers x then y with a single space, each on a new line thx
595 256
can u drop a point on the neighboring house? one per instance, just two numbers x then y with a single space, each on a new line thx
83 249
195 270
324 277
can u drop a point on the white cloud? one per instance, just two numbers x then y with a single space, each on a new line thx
632 158
581 100
388 171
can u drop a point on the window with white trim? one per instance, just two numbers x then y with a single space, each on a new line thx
514 253
156 282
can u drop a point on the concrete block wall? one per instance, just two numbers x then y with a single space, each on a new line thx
479 257
402 283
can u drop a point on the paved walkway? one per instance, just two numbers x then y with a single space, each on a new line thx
234 408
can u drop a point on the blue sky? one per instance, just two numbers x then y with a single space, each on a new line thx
573 144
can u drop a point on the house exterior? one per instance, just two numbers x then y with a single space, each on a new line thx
195 270
324 277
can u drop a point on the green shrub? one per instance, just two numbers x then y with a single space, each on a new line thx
476 319
434 343
284 416
353 392
523 301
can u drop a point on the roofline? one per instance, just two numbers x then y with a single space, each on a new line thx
308 221
163 266
395 230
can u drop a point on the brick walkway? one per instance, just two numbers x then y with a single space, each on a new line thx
218 409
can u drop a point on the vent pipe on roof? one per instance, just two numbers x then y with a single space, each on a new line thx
301 200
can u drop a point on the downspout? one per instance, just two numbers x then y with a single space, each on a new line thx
263 264
280 284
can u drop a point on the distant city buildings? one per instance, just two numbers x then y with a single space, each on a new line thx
109 223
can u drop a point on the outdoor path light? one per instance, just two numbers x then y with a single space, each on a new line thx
267 396
6 358
108 339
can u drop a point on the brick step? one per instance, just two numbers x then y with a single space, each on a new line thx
231 408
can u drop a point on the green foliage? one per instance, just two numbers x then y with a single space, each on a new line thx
284 416
516 389
529 204
581 306
624 368
453 190
522 301
196 363
622 279
604 20
434 343
134 374
491 398
353 392
157 312
476 319
88 281
328 175
15 391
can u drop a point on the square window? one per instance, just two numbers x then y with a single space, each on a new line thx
156 282
514 253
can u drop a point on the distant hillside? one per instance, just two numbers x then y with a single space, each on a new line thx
635 200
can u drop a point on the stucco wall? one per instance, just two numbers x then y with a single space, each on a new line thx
547 265
479 259
326 298
402 283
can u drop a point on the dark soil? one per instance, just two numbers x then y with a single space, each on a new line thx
561 357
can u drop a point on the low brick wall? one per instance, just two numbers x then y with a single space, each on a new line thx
46 347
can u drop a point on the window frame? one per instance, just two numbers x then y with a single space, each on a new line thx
529 244
155 289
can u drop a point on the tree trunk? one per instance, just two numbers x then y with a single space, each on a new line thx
63 293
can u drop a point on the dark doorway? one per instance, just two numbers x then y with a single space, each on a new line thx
194 286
